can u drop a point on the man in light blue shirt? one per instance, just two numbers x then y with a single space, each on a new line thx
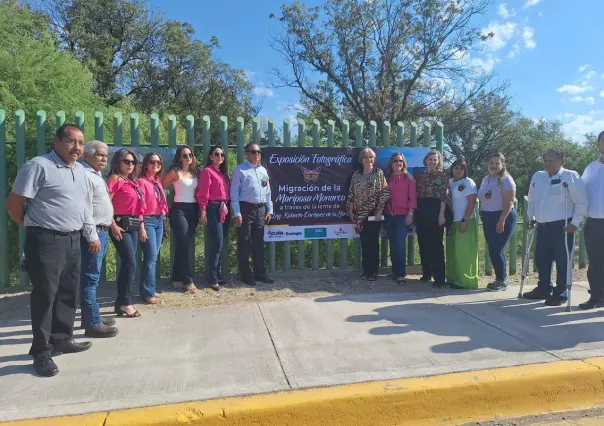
253 208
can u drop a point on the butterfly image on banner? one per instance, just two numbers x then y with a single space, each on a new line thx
311 175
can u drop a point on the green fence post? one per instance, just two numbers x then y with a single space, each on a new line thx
287 251
134 131
224 137
206 138
40 133
439 136
582 253
426 135
272 249
79 121
344 241
372 134
359 144
240 140
477 224
190 132
412 143
21 159
256 130
514 248
525 231
302 243
383 241
99 130
117 129
224 143
316 143
329 242
171 144
386 133
4 236
400 134
59 119
154 124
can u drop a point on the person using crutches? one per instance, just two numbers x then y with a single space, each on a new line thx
557 201
593 177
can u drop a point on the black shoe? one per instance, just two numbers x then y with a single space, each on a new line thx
265 279
250 282
70 347
438 284
536 294
222 282
591 304
555 300
108 321
45 366
214 286
102 331
425 279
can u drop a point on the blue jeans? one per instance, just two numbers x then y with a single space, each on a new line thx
90 275
126 250
396 228
496 242
218 232
184 218
154 226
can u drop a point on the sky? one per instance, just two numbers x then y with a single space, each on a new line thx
547 50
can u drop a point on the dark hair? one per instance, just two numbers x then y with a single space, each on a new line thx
558 152
462 164
176 163
146 160
501 157
224 169
391 162
62 131
117 160
249 145
600 136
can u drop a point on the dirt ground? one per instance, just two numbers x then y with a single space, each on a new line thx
14 302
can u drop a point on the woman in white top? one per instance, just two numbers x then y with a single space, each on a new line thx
462 244
184 214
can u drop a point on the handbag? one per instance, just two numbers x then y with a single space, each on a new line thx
129 223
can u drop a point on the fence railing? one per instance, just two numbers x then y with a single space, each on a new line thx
285 256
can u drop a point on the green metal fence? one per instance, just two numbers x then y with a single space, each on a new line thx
22 149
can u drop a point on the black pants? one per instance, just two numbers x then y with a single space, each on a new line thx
430 239
126 250
594 243
250 238
550 248
184 219
54 271
370 247
218 233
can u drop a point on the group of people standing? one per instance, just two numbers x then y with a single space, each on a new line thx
559 200
70 212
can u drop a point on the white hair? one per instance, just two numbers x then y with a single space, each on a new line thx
92 146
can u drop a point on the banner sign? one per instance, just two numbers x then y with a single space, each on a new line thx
309 188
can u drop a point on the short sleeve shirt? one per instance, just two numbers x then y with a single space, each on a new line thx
459 193
57 194
491 192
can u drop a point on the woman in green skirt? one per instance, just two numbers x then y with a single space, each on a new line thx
462 243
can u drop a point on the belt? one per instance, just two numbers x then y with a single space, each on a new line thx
103 227
255 205
38 229
216 202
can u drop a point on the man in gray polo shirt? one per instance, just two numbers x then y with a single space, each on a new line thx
49 198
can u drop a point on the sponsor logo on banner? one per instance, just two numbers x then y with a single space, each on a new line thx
275 234
315 232
339 232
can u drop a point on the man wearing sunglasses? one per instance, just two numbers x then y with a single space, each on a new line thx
252 209
50 198
557 204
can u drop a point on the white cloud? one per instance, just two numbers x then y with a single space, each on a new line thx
588 100
515 50
502 33
602 93
249 74
528 35
503 11
573 89
264 91
581 124
590 75
584 67
486 64
530 3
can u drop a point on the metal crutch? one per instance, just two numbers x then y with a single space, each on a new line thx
527 253
570 252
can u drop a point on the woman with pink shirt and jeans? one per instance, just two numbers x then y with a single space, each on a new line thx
157 208
213 197
127 227
399 213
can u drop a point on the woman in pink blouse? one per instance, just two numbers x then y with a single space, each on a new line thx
399 212
129 207
213 197
153 234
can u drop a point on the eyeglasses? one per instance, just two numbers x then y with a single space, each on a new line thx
155 162
219 154
254 152
129 162
186 156
398 161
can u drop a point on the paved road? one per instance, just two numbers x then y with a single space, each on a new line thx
174 356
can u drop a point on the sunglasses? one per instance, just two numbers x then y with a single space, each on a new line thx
254 152
129 162
186 156
155 163
219 154
398 161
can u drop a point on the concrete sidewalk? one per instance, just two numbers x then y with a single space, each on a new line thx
170 356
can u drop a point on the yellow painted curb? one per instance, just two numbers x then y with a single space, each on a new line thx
447 399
